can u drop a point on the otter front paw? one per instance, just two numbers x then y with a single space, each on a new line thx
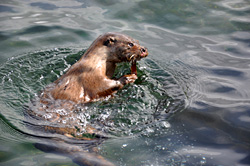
126 79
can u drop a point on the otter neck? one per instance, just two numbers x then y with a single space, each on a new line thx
96 59
110 69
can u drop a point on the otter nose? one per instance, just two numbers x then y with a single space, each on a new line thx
144 52
143 49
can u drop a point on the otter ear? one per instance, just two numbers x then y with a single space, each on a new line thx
110 41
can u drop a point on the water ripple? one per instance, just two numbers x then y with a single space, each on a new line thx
154 97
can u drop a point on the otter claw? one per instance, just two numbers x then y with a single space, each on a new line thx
128 79
131 78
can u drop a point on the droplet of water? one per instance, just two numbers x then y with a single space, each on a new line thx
41 77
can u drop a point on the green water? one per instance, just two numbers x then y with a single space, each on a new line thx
189 106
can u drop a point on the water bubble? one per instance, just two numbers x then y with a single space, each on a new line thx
41 77
149 130
203 161
124 145
56 49
48 116
62 112
165 124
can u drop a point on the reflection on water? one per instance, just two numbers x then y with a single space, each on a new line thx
190 105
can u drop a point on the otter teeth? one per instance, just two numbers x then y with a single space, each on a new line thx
131 57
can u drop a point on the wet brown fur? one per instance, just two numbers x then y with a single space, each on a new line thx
90 77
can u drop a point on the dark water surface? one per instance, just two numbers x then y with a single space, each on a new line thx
190 105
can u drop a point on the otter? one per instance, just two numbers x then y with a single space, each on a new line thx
88 80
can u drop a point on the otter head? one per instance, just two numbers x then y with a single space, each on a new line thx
123 48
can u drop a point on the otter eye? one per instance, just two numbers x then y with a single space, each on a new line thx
130 44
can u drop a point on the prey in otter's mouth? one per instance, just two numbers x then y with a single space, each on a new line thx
89 78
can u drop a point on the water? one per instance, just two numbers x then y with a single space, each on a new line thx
190 105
